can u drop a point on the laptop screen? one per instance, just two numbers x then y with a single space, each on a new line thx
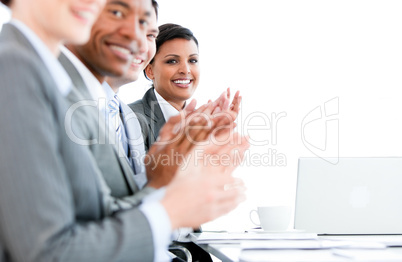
354 196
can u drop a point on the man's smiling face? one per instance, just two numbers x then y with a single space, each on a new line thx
119 34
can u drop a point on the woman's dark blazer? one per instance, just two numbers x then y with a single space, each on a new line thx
150 116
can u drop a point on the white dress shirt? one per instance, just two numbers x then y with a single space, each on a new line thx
109 95
94 86
167 109
133 140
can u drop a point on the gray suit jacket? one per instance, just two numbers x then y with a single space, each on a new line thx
51 206
150 117
115 168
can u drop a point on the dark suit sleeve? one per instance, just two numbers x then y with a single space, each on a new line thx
50 204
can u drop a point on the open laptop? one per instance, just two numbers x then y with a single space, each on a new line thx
355 196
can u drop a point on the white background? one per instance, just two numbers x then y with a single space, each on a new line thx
291 57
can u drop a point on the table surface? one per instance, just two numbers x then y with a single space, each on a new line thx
233 252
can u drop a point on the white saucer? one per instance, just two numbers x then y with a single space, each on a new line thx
292 231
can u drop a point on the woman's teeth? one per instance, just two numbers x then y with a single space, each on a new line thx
184 82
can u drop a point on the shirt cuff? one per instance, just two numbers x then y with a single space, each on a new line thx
182 234
159 222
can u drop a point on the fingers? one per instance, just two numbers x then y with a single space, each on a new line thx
183 132
222 103
206 108
221 121
190 107
171 128
235 106
237 184
236 141
222 158
226 198
196 131
221 98
223 124
200 132
229 201
234 193
200 124
225 104
204 195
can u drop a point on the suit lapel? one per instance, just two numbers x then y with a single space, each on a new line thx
75 76
154 112
103 128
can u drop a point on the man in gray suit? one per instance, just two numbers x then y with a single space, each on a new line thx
137 66
52 201
88 66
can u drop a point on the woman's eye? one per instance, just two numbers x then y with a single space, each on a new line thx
151 36
193 61
171 61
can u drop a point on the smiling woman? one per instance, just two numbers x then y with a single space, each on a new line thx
175 70
175 73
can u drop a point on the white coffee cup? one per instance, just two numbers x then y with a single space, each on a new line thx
272 218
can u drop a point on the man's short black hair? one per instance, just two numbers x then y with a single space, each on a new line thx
156 7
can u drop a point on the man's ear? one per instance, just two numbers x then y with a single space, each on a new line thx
149 72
